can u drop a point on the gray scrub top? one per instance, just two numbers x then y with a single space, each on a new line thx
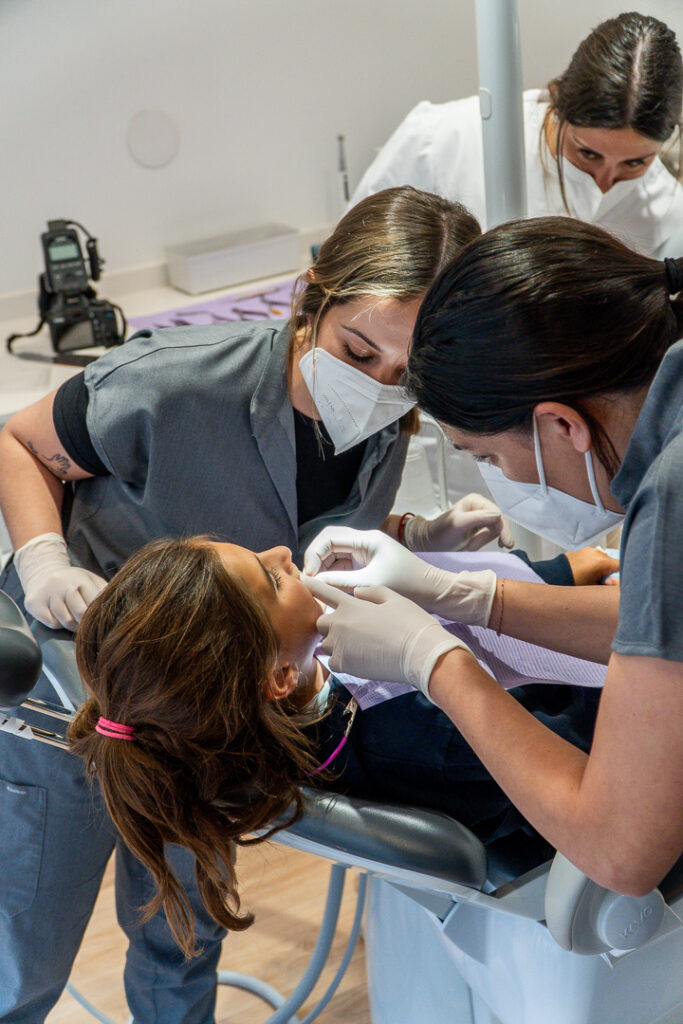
197 430
650 486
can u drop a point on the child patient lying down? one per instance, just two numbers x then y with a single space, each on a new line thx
200 662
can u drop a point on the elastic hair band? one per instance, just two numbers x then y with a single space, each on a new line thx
115 730
673 275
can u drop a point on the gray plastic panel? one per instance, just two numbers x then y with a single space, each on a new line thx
59 665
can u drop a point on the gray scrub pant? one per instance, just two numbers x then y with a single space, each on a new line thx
55 840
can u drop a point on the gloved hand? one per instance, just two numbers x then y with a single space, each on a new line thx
457 596
467 526
55 591
378 634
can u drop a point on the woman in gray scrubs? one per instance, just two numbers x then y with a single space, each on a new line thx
196 430
551 353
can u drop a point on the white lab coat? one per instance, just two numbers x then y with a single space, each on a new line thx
438 148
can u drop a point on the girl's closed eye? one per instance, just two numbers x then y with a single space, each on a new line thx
355 356
275 577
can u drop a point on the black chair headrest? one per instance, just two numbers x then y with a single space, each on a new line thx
20 657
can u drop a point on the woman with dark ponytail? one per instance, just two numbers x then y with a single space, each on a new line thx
550 352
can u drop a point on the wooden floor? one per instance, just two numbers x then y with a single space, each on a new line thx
286 890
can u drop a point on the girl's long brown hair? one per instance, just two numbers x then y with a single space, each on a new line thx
180 650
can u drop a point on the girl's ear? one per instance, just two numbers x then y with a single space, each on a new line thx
282 682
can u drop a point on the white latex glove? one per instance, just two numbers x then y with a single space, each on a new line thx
55 591
467 526
378 634
370 558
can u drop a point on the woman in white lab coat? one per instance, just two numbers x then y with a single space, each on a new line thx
592 140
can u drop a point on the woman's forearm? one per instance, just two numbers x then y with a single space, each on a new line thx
580 621
30 495
539 771
34 467
618 814
390 525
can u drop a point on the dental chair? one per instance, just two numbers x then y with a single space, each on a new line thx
511 941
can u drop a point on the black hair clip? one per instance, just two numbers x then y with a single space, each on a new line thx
673 275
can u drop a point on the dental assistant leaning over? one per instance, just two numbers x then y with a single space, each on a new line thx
593 139
211 430
548 349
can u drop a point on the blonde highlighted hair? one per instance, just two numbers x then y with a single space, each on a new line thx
393 244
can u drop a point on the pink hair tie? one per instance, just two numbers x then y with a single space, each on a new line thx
115 730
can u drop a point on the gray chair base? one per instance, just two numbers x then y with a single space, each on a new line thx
286 1008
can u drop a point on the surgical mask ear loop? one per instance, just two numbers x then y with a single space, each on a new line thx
591 480
539 459
589 467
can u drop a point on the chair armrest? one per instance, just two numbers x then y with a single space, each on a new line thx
583 917
406 839
20 658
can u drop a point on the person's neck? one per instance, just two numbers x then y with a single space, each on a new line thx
313 677
299 395
618 416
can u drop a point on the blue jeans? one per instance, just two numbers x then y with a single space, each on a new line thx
55 840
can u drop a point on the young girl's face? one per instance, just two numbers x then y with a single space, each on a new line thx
275 582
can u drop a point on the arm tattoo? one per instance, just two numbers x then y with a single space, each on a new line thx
57 463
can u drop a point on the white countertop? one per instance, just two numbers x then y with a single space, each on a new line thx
23 382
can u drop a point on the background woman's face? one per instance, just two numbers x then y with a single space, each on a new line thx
274 580
609 155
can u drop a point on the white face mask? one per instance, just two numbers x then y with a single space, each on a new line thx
352 405
559 517
585 200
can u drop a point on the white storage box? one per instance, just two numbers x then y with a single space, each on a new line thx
232 259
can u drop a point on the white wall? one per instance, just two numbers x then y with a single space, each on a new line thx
259 90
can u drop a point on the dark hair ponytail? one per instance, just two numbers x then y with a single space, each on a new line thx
549 309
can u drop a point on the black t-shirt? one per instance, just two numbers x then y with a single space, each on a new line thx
68 415
323 479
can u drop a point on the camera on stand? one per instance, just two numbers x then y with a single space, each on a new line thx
67 302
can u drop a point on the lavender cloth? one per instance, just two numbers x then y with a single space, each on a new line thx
512 662
272 304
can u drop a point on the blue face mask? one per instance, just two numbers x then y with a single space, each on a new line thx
559 517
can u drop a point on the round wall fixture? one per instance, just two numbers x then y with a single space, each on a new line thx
153 138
